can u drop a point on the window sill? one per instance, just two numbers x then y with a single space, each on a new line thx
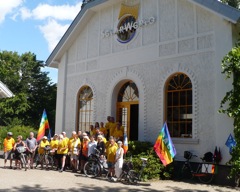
185 141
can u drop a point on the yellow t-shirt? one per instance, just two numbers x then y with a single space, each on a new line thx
111 153
107 125
54 144
118 133
112 128
41 146
8 144
62 144
75 145
103 130
71 139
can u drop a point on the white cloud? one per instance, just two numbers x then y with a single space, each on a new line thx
6 7
52 32
25 13
58 12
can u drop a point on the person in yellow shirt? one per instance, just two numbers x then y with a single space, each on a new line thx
92 130
118 133
107 126
41 151
111 155
112 126
8 144
54 147
103 129
62 152
74 146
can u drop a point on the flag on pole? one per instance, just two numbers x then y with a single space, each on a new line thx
43 126
164 146
230 143
125 143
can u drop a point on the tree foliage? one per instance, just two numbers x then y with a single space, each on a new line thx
233 3
230 104
31 87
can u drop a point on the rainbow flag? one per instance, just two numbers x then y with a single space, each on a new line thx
164 146
43 126
125 143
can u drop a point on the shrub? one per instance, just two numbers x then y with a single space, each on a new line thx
16 130
154 169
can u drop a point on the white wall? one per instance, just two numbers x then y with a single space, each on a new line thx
185 38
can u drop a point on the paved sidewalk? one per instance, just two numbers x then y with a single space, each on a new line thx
37 180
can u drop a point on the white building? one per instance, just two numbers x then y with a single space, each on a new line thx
145 62
4 91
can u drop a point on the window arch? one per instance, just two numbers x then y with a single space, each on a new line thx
85 108
179 105
128 92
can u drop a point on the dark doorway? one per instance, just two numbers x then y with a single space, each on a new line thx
134 122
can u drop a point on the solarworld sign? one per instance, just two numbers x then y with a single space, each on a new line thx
128 25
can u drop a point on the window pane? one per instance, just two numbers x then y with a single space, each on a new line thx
179 105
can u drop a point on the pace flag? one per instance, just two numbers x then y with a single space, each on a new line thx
43 126
125 143
164 146
230 143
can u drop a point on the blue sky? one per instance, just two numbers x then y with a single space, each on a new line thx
35 26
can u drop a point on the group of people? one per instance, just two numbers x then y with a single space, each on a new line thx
73 152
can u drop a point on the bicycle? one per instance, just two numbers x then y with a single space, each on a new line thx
95 166
46 158
204 171
23 158
131 176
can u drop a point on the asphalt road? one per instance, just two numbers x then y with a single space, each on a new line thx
36 180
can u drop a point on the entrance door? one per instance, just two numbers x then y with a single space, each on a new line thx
127 109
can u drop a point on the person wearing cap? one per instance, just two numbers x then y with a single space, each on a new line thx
31 144
44 142
118 160
8 145
111 154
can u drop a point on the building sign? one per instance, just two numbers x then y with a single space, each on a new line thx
128 24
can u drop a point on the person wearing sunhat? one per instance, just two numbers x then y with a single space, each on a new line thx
8 144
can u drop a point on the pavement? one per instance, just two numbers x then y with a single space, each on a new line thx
36 180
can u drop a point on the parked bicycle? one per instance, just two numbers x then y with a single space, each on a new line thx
205 170
46 158
96 165
129 175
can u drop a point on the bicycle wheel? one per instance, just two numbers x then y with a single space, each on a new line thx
133 177
204 177
92 169
186 173
50 162
124 178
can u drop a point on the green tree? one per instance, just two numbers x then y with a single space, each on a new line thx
32 89
230 104
233 3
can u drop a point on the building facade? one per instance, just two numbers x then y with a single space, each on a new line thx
147 62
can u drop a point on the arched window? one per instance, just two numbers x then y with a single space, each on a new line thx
128 92
179 105
85 108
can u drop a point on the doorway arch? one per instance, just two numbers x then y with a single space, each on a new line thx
127 108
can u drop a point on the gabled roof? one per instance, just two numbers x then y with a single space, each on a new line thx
4 91
222 10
